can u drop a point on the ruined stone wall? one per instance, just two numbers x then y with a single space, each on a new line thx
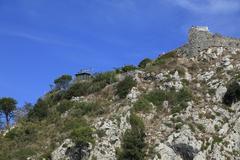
200 39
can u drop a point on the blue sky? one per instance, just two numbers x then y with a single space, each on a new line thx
43 39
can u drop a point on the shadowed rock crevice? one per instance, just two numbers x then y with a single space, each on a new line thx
185 151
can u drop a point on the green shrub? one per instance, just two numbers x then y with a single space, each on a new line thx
73 122
200 127
178 126
55 96
178 108
128 68
217 139
88 108
157 97
133 141
14 133
178 100
107 77
26 133
144 63
23 153
192 127
96 87
77 90
184 95
125 86
64 106
163 59
82 134
142 105
233 93
39 111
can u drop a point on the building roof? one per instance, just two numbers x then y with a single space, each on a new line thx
83 73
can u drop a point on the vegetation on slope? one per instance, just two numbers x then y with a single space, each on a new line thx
133 140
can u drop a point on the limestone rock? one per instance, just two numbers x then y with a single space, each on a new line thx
220 92
165 152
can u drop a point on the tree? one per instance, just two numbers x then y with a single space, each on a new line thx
7 106
63 81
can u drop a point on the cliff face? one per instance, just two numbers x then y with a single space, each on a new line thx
179 108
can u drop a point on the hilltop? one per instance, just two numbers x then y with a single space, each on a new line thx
184 105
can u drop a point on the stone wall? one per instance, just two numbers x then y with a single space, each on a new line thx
200 38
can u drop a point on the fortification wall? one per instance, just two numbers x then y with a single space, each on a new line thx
200 38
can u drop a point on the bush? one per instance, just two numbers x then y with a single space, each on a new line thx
107 78
178 100
23 153
55 96
133 141
178 108
39 111
142 104
77 90
125 86
64 106
184 95
14 133
157 97
128 68
88 108
233 93
22 134
200 127
144 63
82 135
165 58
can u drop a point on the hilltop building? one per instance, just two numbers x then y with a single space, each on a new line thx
200 38
83 75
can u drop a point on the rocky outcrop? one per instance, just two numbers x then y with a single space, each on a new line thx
71 151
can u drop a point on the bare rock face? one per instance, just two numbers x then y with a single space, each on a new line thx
60 152
220 92
185 136
133 95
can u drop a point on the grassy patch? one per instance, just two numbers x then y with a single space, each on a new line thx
64 106
88 108
165 58
142 105
177 100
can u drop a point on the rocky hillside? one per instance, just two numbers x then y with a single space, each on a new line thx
172 108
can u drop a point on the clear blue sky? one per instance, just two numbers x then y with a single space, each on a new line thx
42 39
